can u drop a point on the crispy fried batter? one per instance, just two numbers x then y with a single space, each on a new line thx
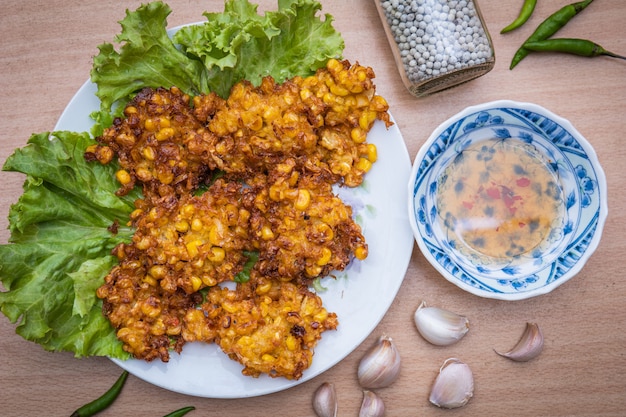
270 327
198 242
160 144
147 319
302 229
280 148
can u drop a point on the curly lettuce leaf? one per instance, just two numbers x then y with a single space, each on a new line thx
230 46
60 245
239 44
147 58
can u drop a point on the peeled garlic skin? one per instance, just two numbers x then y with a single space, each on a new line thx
454 386
529 345
380 366
372 405
440 327
325 400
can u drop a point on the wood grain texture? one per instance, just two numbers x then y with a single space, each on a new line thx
46 49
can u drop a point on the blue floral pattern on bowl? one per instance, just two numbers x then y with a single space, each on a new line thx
573 162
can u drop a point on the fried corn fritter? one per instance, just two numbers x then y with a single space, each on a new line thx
159 144
302 229
229 181
322 121
269 326
148 319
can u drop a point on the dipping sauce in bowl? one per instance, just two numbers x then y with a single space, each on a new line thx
507 200
499 198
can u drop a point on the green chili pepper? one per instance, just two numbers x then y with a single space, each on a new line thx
550 26
104 401
581 47
180 412
527 10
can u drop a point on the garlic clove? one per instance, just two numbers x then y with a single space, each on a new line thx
380 366
529 345
440 327
372 405
325 400
454 385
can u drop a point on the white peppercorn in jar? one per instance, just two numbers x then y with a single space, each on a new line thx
437 44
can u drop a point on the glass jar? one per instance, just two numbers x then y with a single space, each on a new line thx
437 44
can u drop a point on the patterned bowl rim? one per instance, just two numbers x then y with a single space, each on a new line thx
473 283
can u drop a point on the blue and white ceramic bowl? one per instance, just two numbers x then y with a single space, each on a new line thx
576 192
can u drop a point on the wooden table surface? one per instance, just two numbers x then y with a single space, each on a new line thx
46 48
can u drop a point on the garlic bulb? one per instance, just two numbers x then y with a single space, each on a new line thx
325 400
380 366
372 405
454 385
528 347
440 327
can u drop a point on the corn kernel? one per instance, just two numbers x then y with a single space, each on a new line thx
216 234
303 200
372 153
157 271
136 213
149 310
148 279
149 125
196 225
148 153
130 110
267 233
196 283
364 165
143 174
123 177
321 316
143 244
181 226
313 270
217 254
367 118
358 135
325 258
192 248
360 253
229 307
164 122
209 281
164 134
291 343
166 177
188 210
339 90
264 288
267 358
325 232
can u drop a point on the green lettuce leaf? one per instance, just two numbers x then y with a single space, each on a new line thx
60 245
239 44
147 58
230 46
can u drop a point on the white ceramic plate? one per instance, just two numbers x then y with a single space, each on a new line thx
360 296
576 170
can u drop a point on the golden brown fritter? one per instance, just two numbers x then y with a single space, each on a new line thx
198 242
270 327
322 121
160 144
301 228
147 319
276 150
